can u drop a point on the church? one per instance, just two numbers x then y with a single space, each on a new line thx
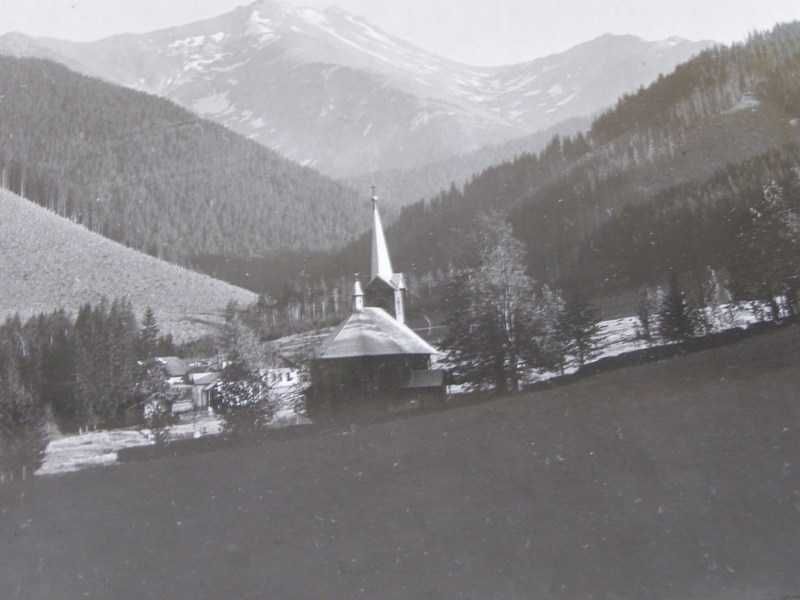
373 359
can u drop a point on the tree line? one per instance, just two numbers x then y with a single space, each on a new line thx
503 325
643 150
88 372
734 224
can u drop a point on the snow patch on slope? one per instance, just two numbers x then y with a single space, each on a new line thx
567 100
190 42
199 63
746 102
262 28
313 16
215 104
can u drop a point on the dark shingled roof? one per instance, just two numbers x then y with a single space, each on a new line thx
372 332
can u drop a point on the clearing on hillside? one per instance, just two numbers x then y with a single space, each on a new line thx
47 263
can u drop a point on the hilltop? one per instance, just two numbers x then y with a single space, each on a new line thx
47 263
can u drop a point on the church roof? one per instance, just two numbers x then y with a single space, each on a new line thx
372 332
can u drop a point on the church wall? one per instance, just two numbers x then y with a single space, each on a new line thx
353 382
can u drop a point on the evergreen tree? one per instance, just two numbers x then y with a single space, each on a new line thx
105 362
149 335
58 370
715 298
766 257
23 438
167 347
578 325
122 337
644 314
87 382
676 318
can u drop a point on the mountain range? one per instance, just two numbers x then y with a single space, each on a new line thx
569 188
329 90
659 182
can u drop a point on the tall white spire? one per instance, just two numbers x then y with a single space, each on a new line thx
381 262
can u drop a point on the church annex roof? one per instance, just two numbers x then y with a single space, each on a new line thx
372 332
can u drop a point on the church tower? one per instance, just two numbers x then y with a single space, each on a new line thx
386 289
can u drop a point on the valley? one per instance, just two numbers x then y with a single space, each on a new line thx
291 307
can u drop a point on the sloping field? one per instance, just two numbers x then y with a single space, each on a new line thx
676 480
47 262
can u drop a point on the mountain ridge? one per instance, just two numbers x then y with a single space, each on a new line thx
349 98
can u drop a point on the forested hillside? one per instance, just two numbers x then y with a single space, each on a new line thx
669 145
724 108
399 188
590 207
146 173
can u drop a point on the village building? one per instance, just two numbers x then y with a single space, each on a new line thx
192 389
281 374
373 359
175 368
202 386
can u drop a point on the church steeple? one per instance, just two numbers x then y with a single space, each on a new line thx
386 289
381 262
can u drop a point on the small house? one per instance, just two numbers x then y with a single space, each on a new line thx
203 388
175 368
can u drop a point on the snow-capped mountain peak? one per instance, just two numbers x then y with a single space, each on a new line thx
331 90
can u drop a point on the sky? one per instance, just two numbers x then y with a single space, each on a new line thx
471 31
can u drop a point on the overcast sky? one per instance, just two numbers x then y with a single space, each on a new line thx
472 31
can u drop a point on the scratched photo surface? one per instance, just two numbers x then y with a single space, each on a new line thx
399 299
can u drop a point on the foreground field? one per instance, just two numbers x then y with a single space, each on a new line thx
674 480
